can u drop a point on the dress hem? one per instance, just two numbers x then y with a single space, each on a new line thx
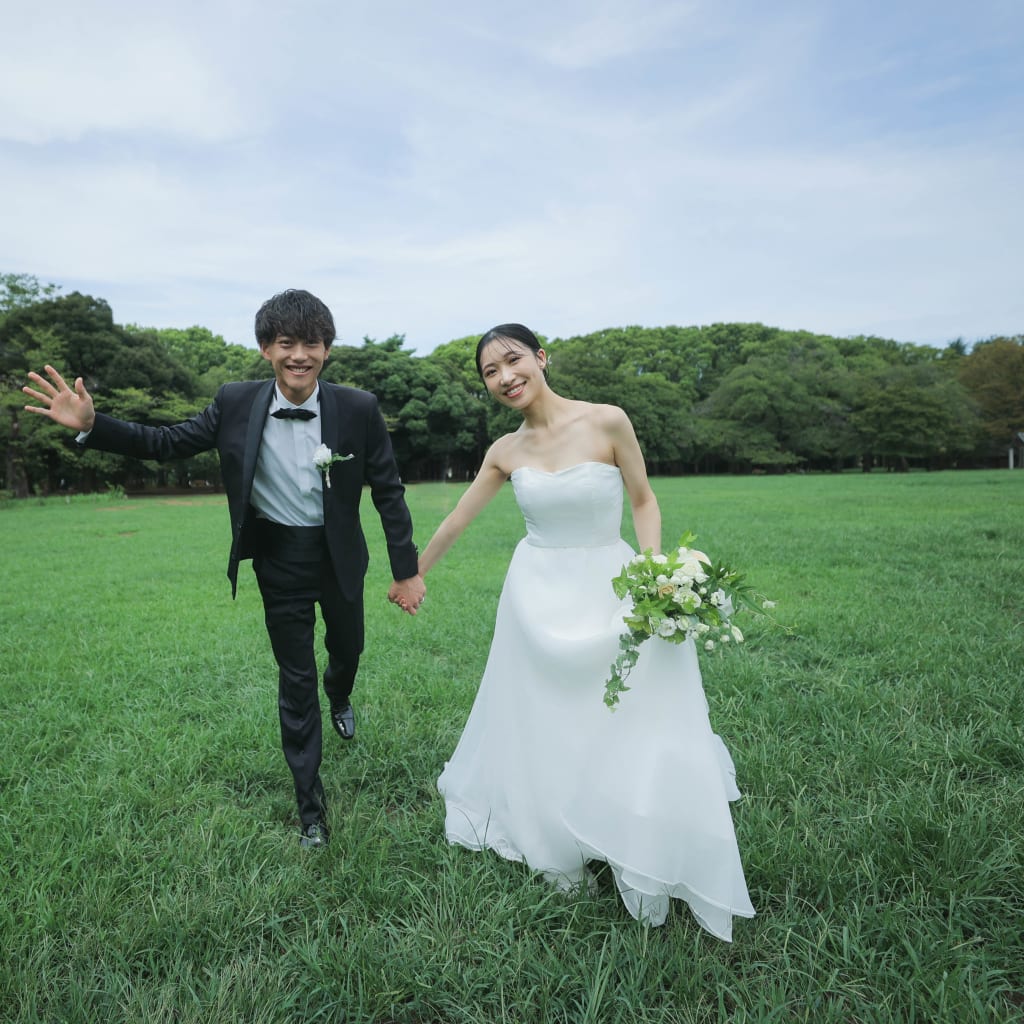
640 897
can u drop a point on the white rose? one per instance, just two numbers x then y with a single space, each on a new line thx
709 645
692 569
667 627
736 634
322 456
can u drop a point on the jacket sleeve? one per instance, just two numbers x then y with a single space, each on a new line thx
388 494
180 441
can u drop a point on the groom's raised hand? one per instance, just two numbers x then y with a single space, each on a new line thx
408 594
62 405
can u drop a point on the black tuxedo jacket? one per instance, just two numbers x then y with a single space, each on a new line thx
350 423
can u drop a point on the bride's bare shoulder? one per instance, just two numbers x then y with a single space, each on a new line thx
607 417
502 453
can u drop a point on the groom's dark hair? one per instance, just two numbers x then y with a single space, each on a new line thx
507 332
297 314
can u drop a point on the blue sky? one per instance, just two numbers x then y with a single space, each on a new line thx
434 169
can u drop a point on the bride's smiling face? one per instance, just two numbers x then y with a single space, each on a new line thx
513 373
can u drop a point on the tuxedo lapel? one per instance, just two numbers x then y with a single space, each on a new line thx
328 430
254 435
328 417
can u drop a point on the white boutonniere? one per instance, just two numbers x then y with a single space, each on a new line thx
324 458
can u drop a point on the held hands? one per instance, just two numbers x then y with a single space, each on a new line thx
408 594
62 405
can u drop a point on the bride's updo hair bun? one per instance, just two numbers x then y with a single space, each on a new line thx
508 332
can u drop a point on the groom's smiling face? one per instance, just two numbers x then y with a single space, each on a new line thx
297 363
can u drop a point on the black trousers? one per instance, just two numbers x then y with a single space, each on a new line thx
295 574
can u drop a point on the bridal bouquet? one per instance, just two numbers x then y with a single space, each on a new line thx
679 596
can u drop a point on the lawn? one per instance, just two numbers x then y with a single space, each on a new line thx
150 864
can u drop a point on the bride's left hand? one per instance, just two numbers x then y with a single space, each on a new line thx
408 594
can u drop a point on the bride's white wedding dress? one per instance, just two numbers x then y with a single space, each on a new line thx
545 773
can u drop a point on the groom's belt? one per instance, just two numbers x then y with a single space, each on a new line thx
299 543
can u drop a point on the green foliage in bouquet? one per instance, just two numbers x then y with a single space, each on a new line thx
678 596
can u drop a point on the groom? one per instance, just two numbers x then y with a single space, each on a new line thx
296 517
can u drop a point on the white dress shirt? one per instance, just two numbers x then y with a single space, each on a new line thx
288 488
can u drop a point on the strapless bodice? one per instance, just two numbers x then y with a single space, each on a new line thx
580 506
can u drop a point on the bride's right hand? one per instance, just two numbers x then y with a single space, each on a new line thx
62 405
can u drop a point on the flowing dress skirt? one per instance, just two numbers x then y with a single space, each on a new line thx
545 773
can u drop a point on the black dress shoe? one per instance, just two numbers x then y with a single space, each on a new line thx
344 720
315 835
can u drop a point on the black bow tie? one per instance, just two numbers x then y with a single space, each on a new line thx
293 414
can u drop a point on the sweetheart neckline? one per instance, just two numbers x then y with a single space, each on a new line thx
566 469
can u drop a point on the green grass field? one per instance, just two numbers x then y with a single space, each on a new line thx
150 864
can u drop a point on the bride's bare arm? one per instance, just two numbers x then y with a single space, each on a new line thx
486 485
630 460
647 522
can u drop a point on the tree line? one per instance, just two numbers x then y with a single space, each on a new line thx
739 397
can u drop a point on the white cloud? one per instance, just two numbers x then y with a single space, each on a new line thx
111 69
605 31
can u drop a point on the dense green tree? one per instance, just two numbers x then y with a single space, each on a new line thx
724 396
675 354
914 412
77 334
18 430
208 356
92 346
650 374
753 413
993 373
20 290
389 370
461 407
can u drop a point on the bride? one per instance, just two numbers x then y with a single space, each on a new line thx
544 772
